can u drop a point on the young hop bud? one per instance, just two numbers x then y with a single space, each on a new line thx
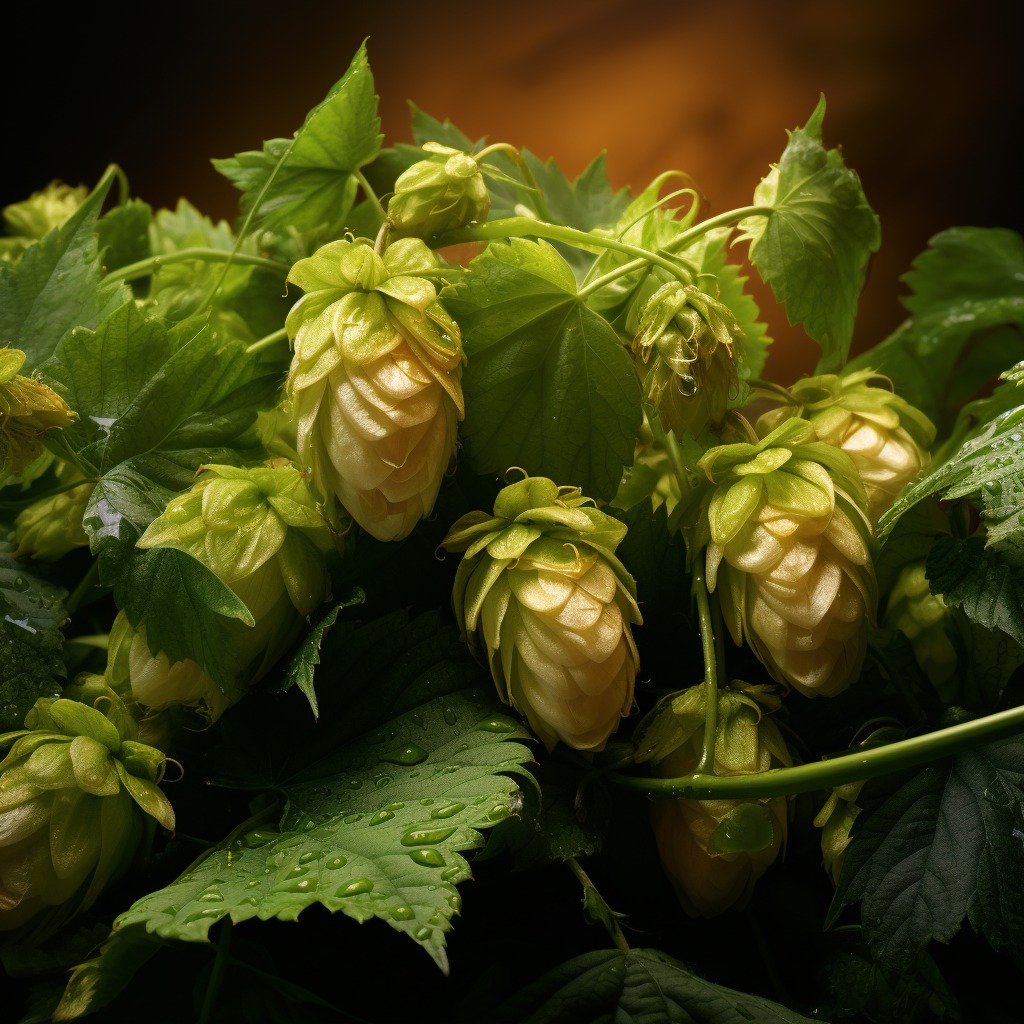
31 219
924 618
685 339
27 410
714 851
542 596
788 551
444 192
835 820
77 791
51 527
374 381
885 436
260 531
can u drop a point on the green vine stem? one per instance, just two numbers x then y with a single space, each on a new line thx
369 193
706 766
594 903
267 341
835 771
220 964
143 268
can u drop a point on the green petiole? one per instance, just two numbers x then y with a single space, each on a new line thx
143 268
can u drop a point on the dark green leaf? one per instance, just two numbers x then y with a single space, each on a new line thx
588 202
428 129
305 183
933 848
965 287
31 662
548 385
123 234
813 248
56 285
643 986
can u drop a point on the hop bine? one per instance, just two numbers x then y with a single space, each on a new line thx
374 380
714 851
788 550
541 595
885 436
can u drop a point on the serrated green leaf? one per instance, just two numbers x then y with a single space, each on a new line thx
813 247
56 285
305 183
643 986
31 643
376 833
123 234
933 848
988 583
548 386
428 129
588 202
966 285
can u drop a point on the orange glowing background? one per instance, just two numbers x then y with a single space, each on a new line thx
925 99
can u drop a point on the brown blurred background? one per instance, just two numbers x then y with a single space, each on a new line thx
924 98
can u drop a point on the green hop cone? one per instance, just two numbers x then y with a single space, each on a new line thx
885 436
374 381
28 409
444 192
836 820
541 596
788 550
685 346
77 795
33 218
51 527
925 619
261 532
714 851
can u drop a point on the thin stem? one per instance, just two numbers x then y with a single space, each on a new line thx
143 268
220 964
87 583
267 341
707 639
31 499
605 913
370 194
835 771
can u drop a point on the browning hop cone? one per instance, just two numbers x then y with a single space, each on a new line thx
374 381
541 595
885 436
788 551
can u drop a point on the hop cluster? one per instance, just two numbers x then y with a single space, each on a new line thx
788 551
714 851
885 436
541 595
76 791
374 380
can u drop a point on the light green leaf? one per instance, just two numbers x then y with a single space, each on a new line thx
376 833
31 643
548 386
305 183
813 247
56 285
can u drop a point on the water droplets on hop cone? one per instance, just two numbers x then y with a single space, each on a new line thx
374 381
542 598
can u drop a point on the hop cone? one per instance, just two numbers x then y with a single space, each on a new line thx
685 344
884 435
33 218
76 792
836 820
51 527
788 551
444 192
714 851
542 596
28 409
374 381
260 531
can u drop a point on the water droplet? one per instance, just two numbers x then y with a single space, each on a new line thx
454 901
687 385
381 816
447 810
450 717
212 896
337 862
383 780
428 858
354 783
422 934
426 801
296 872
496 725
419 720
308 826
351 819
397 806
252 883
498 812
307 857
402 913
19 583
993 487
294 885
357 887
249 901
408 755
421 836
449 873
254 839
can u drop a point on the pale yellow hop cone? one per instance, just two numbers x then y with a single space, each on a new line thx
885 436
51 527
374 381
788 550
541 595
76 792
714 851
